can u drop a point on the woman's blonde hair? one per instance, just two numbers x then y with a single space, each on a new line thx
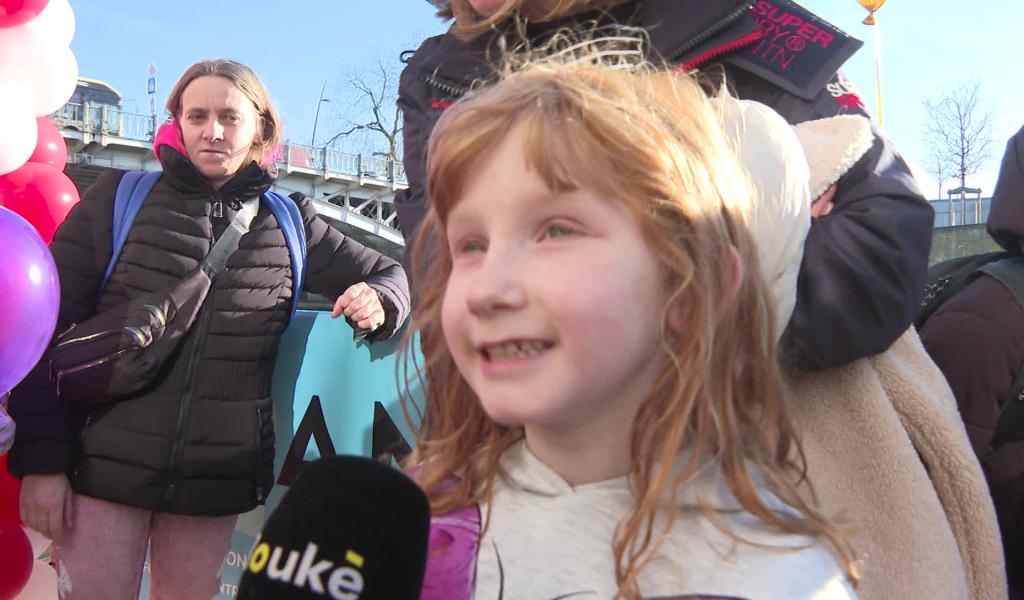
469 23
653 141
249 84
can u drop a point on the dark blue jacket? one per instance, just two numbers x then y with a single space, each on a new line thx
865 263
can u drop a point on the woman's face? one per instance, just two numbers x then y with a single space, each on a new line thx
218 125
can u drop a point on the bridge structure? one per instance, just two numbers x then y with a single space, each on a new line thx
353 192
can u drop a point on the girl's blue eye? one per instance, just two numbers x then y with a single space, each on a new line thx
472 246
558 230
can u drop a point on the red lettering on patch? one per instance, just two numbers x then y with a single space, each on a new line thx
850 101
844 93
777 23
441 104
775 53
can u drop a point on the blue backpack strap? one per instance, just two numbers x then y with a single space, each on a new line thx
131 193
290 219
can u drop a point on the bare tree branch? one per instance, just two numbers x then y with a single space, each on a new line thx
375 98
958 134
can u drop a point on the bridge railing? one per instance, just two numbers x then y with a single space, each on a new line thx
102 119
321 158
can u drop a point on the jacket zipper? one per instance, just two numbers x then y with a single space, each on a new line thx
140 340
218 206
184 408
178 449
447 88
746 40
703 36
259 453
86 338
81 437
60 374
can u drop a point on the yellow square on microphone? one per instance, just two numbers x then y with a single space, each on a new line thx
354 558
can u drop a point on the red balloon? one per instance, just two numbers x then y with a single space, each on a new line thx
42 195
50 147
16 558
10 489
16 12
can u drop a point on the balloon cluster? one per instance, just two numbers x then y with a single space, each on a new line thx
38 74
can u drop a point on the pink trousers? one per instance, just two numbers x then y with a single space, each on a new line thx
103 554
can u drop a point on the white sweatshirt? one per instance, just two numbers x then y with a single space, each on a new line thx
555 541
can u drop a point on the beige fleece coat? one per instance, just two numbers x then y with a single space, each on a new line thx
887 450
885 446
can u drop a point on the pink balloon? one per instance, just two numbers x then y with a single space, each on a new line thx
16 557
42 195
16 12
51 149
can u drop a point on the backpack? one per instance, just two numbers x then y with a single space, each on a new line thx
136 185
948 278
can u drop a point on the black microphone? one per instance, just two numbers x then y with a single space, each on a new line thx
350 528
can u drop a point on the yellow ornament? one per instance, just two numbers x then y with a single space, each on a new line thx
871 6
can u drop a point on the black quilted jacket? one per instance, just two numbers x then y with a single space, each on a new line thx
199 439
864 264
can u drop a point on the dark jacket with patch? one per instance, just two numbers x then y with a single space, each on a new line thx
199 439
865 263
977 339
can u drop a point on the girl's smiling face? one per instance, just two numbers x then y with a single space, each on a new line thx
552 310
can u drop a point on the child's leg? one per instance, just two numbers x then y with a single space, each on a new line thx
186 554
102 554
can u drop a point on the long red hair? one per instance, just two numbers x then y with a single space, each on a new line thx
653 141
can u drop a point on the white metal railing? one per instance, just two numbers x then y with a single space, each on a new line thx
103 119
961 211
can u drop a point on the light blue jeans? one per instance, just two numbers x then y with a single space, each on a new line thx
103 554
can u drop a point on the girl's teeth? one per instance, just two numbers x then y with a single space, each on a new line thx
515 350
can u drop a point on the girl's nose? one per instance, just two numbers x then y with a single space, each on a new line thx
496 286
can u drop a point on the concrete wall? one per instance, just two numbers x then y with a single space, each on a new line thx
951 242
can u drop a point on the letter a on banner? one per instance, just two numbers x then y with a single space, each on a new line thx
388 441
313 426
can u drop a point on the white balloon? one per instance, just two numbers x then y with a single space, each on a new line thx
48 72
18 131
55 24
54 82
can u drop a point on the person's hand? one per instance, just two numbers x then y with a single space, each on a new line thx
823 204
361 304
6 427
46 504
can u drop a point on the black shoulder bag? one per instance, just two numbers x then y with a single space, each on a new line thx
119 351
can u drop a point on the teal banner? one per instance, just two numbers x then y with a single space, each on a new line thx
331 396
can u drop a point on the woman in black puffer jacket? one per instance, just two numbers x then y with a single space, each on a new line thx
175 463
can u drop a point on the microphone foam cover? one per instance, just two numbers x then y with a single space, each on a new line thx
350 528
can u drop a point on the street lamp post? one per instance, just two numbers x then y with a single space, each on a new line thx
312 142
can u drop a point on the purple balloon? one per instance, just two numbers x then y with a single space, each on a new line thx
29 299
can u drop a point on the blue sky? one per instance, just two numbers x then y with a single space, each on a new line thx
296 47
